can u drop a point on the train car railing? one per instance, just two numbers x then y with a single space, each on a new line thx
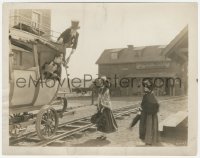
26 24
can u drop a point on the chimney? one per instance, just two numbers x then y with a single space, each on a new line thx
130 47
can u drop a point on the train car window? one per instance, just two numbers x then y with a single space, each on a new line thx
27 60
23 60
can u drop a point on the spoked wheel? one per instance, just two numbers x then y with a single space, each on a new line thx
46 123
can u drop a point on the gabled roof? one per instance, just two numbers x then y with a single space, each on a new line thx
181 40
136 54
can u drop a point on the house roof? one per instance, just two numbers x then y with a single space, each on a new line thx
181 40
133 55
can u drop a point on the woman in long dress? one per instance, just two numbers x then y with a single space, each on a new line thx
107 123
148 128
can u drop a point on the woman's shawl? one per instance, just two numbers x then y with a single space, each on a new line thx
149 104
104 98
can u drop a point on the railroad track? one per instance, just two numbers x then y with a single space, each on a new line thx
70 128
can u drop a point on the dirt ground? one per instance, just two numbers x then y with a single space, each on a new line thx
124 136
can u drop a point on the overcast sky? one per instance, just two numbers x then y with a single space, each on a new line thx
105 26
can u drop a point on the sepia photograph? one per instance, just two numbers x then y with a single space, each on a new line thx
100 78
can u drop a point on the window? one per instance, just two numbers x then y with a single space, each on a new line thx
136 54
23 60
36 19
124 68
114 56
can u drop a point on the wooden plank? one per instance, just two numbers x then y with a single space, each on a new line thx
84 121
74 126
23 108
35 52
36 139
176 119
173 120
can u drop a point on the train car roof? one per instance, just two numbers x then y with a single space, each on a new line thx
26 40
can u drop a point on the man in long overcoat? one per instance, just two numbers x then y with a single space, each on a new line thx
148 128
70 37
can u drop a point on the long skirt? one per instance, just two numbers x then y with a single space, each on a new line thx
107 123
148 129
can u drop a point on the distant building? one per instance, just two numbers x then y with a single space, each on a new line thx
36 21
127 67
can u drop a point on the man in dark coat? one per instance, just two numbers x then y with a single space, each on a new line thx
70 38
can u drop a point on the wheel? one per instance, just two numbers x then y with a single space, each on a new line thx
46 123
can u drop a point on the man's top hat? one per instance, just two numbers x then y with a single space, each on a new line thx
74 24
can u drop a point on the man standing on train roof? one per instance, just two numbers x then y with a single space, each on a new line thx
70 38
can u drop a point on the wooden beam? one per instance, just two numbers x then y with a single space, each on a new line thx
20 58
36 63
